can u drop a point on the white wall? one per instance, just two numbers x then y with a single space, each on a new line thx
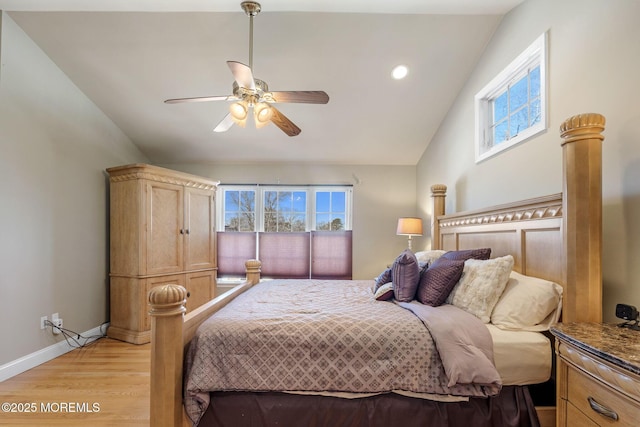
383 194
54 147
594 66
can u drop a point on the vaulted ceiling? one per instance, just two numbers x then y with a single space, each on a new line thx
129 56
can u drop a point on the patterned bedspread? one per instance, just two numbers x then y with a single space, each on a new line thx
316 335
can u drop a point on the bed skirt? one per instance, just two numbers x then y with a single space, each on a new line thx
512 407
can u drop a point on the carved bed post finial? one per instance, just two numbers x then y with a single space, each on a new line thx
438 194
252 268
582 219
167 310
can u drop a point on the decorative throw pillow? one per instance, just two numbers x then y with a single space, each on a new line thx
481 285
428 257
437 281
383 278
528 303
481 253
405 275
384 292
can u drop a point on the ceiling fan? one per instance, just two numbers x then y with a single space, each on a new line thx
251 93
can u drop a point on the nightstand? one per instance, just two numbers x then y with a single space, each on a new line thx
598 375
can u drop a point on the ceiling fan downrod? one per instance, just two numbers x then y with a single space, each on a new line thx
251 8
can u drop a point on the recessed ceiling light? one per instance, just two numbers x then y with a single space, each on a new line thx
400 72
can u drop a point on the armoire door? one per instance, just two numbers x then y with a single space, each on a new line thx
164 228
199 229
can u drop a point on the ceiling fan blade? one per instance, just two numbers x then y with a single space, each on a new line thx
225 124
302 96
200 99
242 74
286 125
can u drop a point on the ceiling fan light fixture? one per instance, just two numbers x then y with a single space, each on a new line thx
239 111
262 114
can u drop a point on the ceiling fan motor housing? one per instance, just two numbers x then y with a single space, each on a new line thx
251 95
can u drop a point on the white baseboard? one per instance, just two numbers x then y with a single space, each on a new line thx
34 359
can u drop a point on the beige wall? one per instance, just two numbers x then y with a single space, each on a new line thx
54 147
594 66
383 194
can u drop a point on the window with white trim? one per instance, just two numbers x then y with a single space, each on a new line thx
296 231
512 107
330 209
276 208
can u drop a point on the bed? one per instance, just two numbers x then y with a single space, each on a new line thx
557 238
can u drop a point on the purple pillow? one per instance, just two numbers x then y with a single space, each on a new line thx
438 280
481 254
405 275
384 277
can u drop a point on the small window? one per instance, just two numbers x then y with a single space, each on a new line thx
331 210
239 210
512 107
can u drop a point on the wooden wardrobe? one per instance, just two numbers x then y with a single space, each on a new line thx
162 230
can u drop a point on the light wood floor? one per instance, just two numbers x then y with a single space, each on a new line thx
112 374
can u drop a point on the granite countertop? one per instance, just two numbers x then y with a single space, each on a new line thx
620 346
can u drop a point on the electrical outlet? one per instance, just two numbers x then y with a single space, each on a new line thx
43 321
57 322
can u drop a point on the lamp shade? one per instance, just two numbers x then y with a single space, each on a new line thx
409 227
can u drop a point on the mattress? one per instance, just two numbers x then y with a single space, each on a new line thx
521 357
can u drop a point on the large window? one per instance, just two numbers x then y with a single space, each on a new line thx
296 231
512 107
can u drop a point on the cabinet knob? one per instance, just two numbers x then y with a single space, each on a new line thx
187 231
181 231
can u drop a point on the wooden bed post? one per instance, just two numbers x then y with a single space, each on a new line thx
252 268
167 312
438 194
582 217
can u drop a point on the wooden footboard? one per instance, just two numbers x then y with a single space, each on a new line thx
171 331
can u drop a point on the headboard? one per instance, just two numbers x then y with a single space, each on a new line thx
558 237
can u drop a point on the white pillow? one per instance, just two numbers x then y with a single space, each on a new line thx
528 303
384 292
427 257
481 285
